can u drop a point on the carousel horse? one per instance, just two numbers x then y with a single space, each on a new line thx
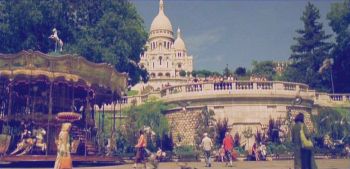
27 143
57 40
39 135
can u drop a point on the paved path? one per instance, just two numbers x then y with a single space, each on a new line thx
283 164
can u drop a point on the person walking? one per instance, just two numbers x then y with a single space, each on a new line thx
63 159
207 145
228 147
303 156
140 150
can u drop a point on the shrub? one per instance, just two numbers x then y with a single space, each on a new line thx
237 139
186 153
133 92
278 148
221 128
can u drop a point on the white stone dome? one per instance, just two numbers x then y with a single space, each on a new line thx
179 43
161 25
161 22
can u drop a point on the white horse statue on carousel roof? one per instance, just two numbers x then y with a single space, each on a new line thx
57 40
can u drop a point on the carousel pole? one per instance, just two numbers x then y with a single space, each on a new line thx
99 117
103 119
103 123
86 128
120 112
114 113
49 116
10 102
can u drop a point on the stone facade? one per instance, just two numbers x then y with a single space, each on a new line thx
165 56
246 104
183 125
241 118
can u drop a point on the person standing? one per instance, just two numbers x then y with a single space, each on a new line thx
140 150
207 145
228 147
63 159
303 158
347 151
255 152
262 149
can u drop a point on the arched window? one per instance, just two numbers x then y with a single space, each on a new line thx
160 60
179 65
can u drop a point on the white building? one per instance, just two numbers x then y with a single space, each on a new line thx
165 56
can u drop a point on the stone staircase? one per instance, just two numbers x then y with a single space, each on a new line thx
79 134
91 148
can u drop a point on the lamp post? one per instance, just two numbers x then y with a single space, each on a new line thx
327 64
296 101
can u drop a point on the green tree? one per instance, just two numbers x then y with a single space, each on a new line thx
204 73
240 71
101 31
227 72
309 53
194 73
205 124
237 139
148 114
333 121
264 68
339 21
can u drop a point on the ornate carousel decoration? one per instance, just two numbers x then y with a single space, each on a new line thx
68 117
38 92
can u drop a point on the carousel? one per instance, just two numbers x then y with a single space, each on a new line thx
39 92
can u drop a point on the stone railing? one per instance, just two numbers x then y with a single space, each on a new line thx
242 89
330 100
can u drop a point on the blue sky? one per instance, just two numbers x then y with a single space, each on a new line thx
220 32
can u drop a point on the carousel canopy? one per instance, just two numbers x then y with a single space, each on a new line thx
70 67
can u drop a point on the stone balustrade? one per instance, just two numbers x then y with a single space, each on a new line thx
242 89
330 100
